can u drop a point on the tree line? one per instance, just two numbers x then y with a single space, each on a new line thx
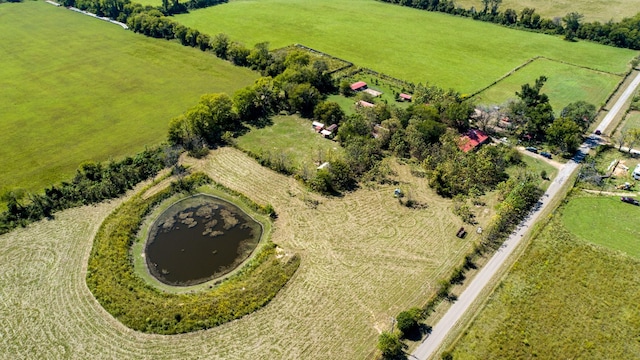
93 182
625 33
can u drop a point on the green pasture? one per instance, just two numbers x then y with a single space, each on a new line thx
406 43
605 221
602 11
565 84
563 299
632 121
76 89
292 137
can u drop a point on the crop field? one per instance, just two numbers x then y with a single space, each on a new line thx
364 259
565 84
406 43
76 89
602 11
564 299
605 221
291 136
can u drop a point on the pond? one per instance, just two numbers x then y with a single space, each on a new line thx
198 239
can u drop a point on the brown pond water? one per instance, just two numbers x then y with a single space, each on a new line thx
198 239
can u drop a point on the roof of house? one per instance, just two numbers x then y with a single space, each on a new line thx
365 104
405 96
358 85
471 139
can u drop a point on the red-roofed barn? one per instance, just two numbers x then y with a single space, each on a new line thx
358 86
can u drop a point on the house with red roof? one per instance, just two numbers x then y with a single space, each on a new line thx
472 139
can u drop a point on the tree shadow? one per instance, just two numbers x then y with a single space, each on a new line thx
419 332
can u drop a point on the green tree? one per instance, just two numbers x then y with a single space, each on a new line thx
259 57
390 345
457 115
536 109
211 117
582 112
220 45
408 321
328 113
571 25
303 98
238 53
564 133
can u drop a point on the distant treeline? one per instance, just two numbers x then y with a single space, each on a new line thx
93 182
120 10
624 34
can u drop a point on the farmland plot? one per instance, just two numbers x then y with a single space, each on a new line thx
364 258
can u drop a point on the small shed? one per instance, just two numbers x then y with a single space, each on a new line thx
318 126
332 127
358 86
326 133
365 104
325 165
405 97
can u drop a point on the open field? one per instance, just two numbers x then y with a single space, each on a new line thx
605 221
76 89
565 84
632 121
364 259
406 43
602 11
292 136
563 299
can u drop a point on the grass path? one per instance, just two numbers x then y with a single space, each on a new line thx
364 258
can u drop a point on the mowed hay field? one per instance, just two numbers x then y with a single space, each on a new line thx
406 43
592 10
75 89
565 84
364 258
563 299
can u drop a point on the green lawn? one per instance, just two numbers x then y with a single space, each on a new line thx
565 84
292 136
605 221
406 43
563 299
76 89
535 166
602 11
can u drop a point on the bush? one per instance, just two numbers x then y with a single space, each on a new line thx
408 321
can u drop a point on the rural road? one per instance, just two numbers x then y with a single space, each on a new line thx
440 331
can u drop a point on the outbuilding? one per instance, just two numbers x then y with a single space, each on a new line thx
358 86
405 97
472 139
636 172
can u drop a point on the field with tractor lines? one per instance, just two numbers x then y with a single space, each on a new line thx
364 257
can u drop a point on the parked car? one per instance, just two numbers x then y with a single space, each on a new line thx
546 154
630 200
532 149
598 132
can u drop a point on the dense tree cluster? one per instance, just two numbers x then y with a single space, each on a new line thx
452 172
625 33
93 182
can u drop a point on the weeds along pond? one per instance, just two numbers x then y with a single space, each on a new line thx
198 239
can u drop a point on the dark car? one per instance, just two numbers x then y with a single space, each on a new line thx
546 154
630 200
532 149
598 132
